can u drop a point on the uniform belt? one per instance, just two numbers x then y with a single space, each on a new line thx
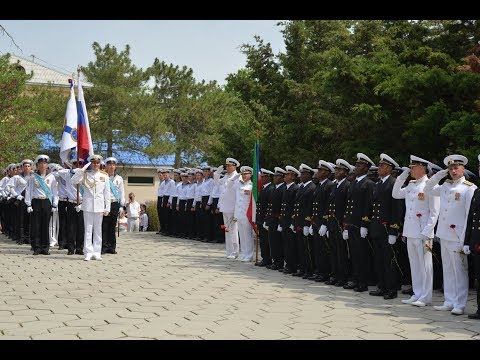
73 201
113 200
63 199
41 197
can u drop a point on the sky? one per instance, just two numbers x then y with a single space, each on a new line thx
210 47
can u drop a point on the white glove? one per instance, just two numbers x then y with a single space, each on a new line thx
441 174
54 209
218 172
8 197
293 229
327 234
392 239
305 231
78 208
105 213
363 232
345 234
29 209
323 230
20 197
279 228
121 209
466 249
310 230
265 226
86 166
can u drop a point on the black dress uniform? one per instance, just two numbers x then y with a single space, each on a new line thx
272 217
472 239
263 201
358 214
339 254
285 220
385 222
320 246
302 213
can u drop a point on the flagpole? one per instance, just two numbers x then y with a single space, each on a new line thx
257 230
78 156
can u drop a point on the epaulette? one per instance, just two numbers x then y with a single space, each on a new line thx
450 181
365 218
466 182
412 180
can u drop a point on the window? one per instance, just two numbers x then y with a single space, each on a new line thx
140 180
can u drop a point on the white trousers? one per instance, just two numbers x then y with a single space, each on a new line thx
133 224
246 239
53 229
421 268
93 226
455 274
231 237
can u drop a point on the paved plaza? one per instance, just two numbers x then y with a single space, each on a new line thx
166 288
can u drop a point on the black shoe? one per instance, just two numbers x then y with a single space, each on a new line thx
321 278
60 247
475 316
360 289
79 252
350 286
70 252
46 252
306 276
408 291
288 271
273 267
36 253
331 281
377 292
340 283
390 295
102 252
299 273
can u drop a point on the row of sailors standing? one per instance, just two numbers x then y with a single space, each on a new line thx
48 207
357 223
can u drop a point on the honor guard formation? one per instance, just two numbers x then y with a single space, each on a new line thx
373 223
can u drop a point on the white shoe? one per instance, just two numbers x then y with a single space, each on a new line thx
96 257
410 301
87 259
419 303
457 311
246 260
231 257
443 308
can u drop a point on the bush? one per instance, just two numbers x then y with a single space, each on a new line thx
153 223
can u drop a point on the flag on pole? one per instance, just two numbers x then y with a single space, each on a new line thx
256 186
84 143
69 136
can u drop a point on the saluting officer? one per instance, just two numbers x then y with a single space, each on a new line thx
455 198
41 199
117 206
242 201
421 214
95 204
357 220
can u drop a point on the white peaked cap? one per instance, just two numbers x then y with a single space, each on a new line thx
41 157
266 172
246 169
361 157
415 160
384 158
111 158
232 161
291 169
304 167
279 171
322 164
455 159
95 157
343 164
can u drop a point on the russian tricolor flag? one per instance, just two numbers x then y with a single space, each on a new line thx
84 142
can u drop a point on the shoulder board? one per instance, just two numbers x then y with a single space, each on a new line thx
466 182
449 181
103 172
412 181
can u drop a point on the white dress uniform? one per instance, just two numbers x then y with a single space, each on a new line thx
226 205
421 214
455 198
242 200
95 202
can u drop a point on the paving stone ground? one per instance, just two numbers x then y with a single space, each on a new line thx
159 287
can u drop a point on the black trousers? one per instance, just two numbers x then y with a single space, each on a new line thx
174 217
159 211
62 223
218 233
340 265
42 211
109 223
75 228
20 209
321 253
289 248
182 218
385 264
264 245
190 217
276 243
361 256
166 213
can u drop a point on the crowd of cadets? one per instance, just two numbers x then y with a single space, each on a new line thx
39 205
349 226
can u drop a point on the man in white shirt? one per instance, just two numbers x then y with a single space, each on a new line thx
95 204
133 213
226 205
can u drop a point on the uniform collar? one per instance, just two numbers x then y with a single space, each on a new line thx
360 178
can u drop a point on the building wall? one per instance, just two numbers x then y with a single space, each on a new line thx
143 192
